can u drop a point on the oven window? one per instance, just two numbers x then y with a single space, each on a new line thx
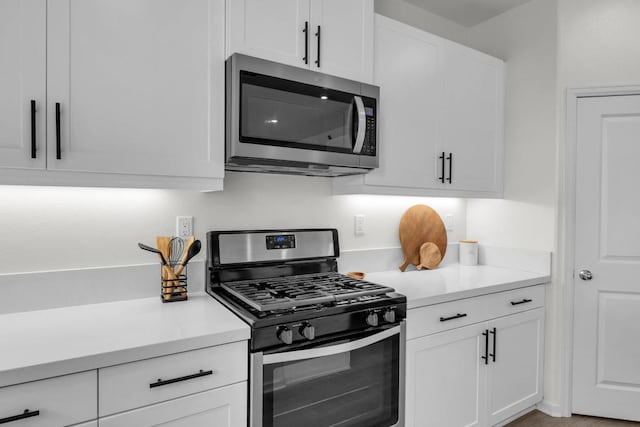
280 112
359 388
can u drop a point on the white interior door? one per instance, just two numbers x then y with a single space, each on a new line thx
606 363
23 30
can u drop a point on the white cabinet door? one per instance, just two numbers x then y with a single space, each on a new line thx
472 126
270 30
22 80
221 407
345 39
445 379
139 84
514 381
408 71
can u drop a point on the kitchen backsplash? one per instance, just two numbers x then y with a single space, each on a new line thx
48 229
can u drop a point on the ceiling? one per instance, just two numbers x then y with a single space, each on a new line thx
467 12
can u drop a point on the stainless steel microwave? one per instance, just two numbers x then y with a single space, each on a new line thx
285 119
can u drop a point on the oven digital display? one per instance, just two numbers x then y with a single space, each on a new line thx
281 241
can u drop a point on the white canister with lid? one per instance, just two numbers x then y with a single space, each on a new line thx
468 254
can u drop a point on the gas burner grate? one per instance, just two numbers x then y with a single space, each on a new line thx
302 290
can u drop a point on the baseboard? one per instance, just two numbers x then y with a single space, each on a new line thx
549 408
515 417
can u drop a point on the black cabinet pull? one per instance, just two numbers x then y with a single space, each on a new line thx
523 301
457 316
485 334
58 146
450 158
442 177
495 337
33 129
160 382
306 42
25 414
318 35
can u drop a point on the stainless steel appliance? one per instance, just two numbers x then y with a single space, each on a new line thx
286 119
326 349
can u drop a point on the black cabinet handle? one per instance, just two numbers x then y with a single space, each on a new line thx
306 42
495 337
58 143
457 316
442 177
33 129
318 35
523 301
160 382
486 347
25 414
450 158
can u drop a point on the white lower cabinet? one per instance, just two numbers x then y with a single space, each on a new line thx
480 374
221 407
444 379
59 401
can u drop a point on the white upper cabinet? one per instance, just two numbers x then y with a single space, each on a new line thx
331 36
22 83
407 67
134 93
472 120
139 86
441 118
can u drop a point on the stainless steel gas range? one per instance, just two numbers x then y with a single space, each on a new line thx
326 349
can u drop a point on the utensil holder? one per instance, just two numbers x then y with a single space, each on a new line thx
173 288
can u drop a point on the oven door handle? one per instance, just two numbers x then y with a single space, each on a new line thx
362 125
290 356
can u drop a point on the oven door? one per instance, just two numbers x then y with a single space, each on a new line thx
357 382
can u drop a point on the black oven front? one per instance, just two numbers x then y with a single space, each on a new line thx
354 381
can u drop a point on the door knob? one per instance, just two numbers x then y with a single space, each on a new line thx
585 275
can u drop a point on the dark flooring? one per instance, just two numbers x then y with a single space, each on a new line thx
538 419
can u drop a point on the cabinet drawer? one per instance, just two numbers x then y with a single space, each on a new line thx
65 400
226 406
515 301
141 383
441 317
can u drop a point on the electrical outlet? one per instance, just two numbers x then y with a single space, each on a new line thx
448 222
358 225
184 226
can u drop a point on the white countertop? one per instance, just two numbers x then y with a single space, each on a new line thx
454 281
46 343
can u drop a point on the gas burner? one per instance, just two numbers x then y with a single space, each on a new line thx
296 292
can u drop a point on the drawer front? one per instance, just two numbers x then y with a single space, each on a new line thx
222 407
515 301
141 383
441 317
59 401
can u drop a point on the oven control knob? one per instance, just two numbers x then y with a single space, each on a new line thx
285 335
308 331
372 319
390 316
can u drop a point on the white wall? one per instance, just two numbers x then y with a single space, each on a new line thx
48 228
417 17
598 45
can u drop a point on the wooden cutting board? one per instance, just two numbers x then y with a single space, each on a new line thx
420 224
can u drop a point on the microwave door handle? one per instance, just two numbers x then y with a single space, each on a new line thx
362 125
290 356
